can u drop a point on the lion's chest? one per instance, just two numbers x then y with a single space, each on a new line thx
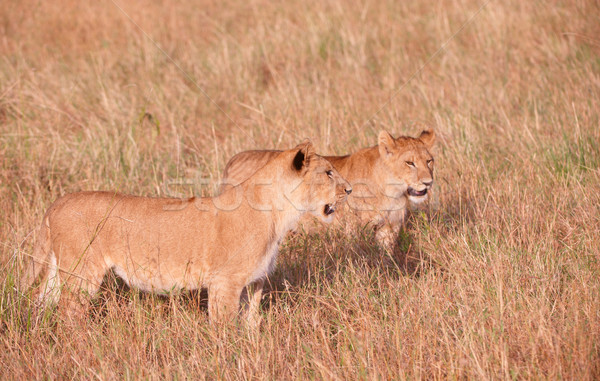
378 208
266 264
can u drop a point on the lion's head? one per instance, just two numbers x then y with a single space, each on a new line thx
317 185
408 164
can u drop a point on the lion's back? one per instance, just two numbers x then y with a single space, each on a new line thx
243 165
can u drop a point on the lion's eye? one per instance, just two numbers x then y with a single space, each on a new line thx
329 173
410 163
430 161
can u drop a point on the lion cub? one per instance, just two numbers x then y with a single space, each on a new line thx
384 177
223 243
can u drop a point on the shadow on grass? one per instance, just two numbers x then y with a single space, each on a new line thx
115 292
309 258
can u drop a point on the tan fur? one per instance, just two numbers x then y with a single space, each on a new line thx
159 244
383 178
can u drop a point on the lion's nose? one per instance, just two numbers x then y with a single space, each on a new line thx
428 182
348 190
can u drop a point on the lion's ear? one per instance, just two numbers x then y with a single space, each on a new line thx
428 138
304 154
386 143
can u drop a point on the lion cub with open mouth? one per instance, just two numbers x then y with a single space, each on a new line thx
223 243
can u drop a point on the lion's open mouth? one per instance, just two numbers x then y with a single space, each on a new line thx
328 209
416 193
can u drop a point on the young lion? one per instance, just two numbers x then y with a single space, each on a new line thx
384 178
159 244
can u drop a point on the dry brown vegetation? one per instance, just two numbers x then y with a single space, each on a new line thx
498 278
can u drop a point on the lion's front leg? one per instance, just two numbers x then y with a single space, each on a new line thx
223 302
387 235
255 291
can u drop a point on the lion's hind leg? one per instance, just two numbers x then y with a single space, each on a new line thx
50 285
78 290
35 263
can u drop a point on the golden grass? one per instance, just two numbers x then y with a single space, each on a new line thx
499 278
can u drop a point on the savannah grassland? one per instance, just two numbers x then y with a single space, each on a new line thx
498 277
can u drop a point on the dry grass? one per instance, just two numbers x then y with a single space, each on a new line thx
499 278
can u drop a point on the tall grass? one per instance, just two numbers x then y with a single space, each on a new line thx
498 277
